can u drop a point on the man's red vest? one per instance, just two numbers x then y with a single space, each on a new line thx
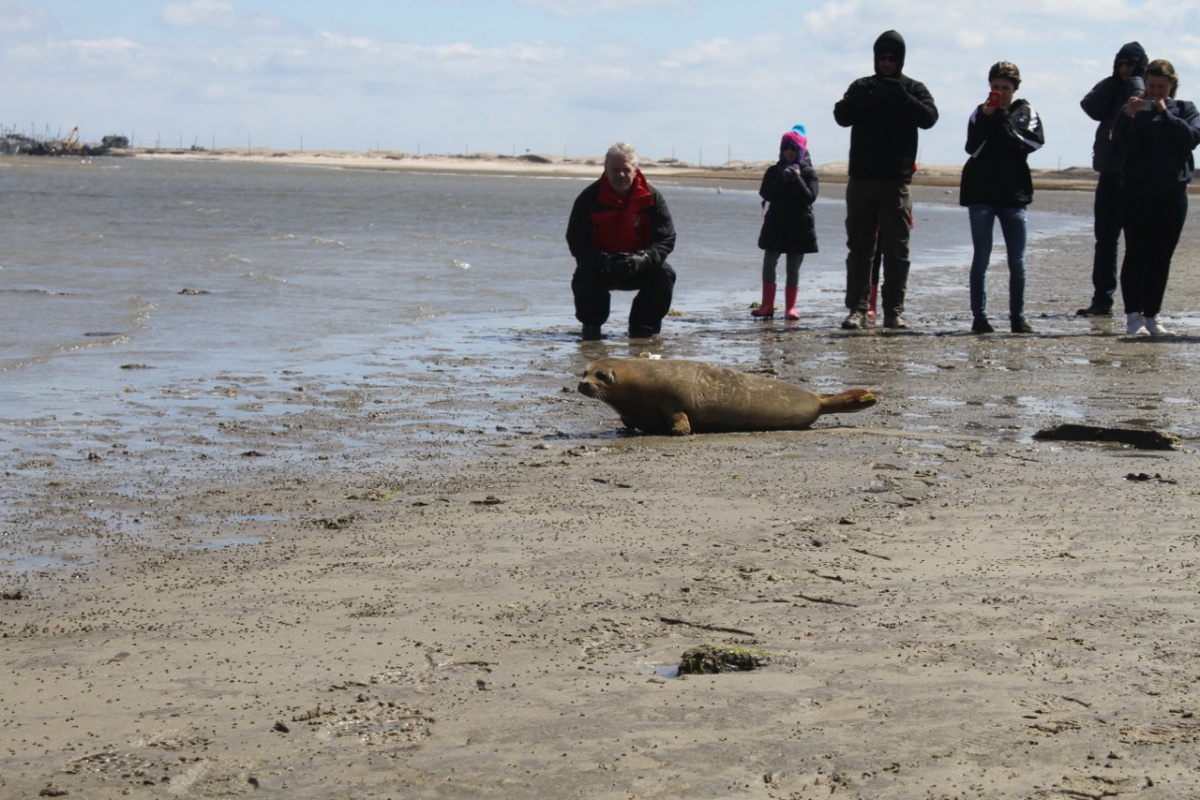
621 227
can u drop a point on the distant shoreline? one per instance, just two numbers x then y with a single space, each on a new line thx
1074 178
946 175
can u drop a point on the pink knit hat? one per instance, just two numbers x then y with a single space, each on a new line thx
797 137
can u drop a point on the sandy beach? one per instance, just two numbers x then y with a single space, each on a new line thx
951 608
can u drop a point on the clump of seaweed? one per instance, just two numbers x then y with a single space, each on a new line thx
711 659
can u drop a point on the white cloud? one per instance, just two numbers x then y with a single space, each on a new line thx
723 54
216 15
1069 11
200 14
18 17
1187 58
103 49
453 69
582 8
830 16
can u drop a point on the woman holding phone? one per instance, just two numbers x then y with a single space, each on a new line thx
996 184
1156 135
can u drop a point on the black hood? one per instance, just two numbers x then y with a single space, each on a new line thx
892 42
1135 53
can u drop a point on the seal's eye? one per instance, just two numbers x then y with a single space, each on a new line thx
605 377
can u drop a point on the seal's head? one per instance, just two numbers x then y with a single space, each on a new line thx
595 381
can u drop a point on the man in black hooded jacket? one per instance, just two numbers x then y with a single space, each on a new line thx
883 112
1103 103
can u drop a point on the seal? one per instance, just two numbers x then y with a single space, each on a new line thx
683 397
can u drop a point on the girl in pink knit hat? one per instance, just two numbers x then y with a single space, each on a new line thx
789 189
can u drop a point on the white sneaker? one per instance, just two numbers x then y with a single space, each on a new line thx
1134 324
1154 328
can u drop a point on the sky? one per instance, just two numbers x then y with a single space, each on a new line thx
703 81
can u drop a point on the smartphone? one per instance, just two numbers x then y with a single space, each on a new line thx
993 99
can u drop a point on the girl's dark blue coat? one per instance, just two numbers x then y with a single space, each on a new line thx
789 225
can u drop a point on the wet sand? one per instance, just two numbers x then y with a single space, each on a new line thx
953 609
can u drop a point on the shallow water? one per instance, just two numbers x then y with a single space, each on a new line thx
195 269
160 318
132 286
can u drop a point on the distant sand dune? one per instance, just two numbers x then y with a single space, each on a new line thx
835 171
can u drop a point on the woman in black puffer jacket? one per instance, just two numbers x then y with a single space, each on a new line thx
1156 137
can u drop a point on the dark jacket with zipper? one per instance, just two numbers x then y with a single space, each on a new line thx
883 114
997 172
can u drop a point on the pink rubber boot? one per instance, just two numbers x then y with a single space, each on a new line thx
767 309
789 294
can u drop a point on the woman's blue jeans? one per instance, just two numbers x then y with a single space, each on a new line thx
1012 226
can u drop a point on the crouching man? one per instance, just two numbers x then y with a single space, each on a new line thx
620 233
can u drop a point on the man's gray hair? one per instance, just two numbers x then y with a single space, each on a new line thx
622 150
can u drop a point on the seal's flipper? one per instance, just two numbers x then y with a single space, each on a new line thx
847 401
680 424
